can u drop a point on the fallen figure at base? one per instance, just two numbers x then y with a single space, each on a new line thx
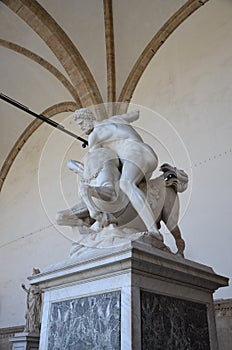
110 206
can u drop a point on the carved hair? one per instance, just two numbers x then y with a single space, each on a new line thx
83 113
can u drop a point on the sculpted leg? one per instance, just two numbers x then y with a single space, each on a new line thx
131 176
106 193
84 191
104 186
180 243
104 219
170 216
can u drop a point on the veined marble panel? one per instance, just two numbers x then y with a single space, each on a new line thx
87 323
173 324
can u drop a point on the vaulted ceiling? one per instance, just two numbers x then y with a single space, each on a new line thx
57 56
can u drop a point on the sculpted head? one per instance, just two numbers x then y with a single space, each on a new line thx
85 118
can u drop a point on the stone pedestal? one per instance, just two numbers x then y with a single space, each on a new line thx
129 297
25 341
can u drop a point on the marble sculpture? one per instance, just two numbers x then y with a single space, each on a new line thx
115 181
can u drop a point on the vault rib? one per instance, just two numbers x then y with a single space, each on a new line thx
110 52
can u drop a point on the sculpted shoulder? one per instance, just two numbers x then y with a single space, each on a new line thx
102 131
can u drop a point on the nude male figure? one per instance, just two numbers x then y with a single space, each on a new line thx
138 160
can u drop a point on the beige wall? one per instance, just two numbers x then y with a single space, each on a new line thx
189 84
28 238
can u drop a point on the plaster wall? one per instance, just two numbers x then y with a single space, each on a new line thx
144 18
82 20
189 84
20 74
13 124
28 238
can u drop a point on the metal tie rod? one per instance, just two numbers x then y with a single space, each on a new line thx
43 118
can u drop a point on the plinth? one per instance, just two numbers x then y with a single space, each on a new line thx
131 297
25 341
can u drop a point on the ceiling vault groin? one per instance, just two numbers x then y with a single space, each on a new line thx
45 64
153 46
62 47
